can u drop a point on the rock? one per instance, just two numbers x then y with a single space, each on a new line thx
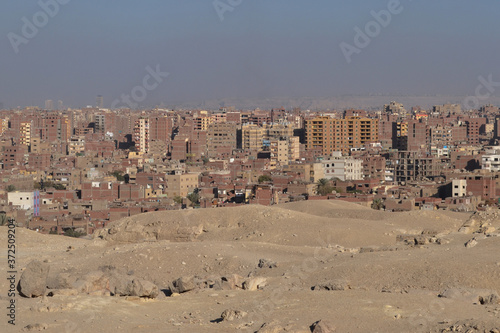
254 283
61 281
230 315
35 327
272 327
33 281
137 287
421 240
91 282
322 326
489 299
231 282
62 292
332 285
266 263
183 284
481 296
471 243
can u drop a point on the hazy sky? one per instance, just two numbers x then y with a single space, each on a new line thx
261 49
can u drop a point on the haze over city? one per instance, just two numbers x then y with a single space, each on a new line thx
258 50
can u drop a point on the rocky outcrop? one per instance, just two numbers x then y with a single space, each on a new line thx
33 281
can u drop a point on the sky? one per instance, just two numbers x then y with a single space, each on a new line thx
242 49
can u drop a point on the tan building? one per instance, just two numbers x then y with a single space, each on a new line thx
37 146
278 131
331 134
221 136
4 125
202 121
285 150
76 145
141 135
252 137
25 133
181 184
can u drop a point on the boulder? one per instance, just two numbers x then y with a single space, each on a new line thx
254 283
183 284
137 287
33 281
471 243
266 263
475 296
322 326
92 282
231 282
230 315
332 285
61 281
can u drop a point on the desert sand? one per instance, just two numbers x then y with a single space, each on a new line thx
371 271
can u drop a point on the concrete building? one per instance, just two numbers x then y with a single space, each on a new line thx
252 137
76 145
23 200
25 132
330 134
285 150
459 188
202 121
141 135
180 184
221 137
342 167
491 163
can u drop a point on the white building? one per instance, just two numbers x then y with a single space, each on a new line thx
342 167
491 162
459 188
24 200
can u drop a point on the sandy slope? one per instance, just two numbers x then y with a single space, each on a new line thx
389 286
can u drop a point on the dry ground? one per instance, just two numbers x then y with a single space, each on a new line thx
390 286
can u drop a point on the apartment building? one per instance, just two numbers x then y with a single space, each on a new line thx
330 134
342 167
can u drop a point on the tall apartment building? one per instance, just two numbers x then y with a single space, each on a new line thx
400 135
4 125
25 133
252 137
285 150
141 135
221 136
100 123
160 128
55 127
475 127
330 134
202 121
418 135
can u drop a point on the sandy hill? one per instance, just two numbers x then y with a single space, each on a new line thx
371 271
